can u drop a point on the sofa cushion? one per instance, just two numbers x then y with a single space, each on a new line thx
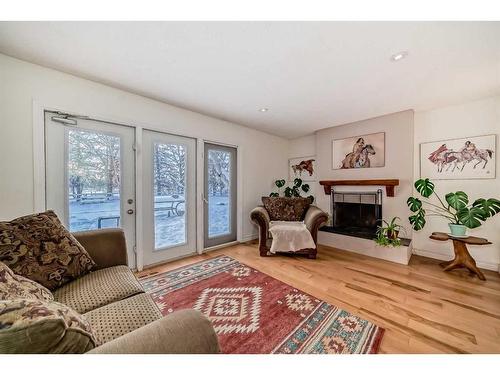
99 288
286 208
117 319
40 248
13 286
36 326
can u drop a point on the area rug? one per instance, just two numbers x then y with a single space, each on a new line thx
255 313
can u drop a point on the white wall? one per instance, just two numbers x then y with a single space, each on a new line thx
264 156
479 117
398 128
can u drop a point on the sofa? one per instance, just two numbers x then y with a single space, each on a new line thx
122 317
284 209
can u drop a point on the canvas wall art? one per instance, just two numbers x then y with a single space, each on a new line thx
303 168
463 158
363 151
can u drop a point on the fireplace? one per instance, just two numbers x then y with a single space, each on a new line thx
356 213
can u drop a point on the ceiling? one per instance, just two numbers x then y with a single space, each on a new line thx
311 75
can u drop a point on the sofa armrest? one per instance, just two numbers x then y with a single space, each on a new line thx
260 216
107 247
182 332
314 219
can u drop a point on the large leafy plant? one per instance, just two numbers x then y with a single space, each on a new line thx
294 190
455 207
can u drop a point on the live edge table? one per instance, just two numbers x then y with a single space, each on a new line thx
462 256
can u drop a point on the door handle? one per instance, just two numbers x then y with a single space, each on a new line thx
204 199
130 211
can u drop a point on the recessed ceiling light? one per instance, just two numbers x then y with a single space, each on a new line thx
399 56
263 109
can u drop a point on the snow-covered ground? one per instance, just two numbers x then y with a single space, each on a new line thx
169 228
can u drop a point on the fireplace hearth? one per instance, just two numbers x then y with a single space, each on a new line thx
356 214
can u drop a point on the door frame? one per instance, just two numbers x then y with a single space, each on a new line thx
38 127
233 201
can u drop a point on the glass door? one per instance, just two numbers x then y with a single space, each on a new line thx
219 195
90 178
169 196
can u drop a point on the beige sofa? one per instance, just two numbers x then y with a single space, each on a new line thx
124 318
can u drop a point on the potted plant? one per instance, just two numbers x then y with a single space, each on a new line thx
388 235
457 210
294 190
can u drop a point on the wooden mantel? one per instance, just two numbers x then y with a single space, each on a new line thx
388 183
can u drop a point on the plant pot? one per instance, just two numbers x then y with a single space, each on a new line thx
458 230
392 235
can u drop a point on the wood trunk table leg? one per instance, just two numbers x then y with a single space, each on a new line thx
447 263
464 259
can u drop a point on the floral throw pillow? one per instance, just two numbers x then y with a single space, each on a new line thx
286 208
40 248
13 286
35 326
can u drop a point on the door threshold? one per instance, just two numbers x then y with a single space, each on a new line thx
221 246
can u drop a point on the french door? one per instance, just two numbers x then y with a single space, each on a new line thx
169 193
219 194
90 178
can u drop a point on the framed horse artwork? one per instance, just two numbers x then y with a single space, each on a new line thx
362 151
303 168
462 158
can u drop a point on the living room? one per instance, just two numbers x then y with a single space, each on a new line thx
246 187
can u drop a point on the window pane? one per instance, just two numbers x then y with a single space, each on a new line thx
219 188
93 180
169 174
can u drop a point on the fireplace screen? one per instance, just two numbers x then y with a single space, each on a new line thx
356 213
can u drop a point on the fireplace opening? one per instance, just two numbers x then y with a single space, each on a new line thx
356 214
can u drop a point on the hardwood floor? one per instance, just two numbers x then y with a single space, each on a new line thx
422 308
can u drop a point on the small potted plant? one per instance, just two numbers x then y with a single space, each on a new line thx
388 235
457 210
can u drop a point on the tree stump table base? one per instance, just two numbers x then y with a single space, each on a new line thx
462 259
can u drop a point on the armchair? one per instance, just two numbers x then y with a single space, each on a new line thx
313 219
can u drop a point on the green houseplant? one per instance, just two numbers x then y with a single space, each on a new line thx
455 208
294 190
388 235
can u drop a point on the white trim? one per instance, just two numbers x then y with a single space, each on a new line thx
221 246
248 237
38 157
441 256
139 211
200 207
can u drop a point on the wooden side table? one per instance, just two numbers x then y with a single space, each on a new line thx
462 256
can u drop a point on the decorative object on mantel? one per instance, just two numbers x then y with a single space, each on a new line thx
363 151
460 214
388 235
303 168
388 183
292 191
462 256
464 158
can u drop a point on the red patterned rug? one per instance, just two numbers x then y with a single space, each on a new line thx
255 313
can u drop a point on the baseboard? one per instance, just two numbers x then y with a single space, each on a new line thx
440 256
248 237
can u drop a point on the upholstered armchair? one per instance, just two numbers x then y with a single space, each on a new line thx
314 218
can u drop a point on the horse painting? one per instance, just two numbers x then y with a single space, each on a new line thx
461 158
444 157
360 158
302 168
